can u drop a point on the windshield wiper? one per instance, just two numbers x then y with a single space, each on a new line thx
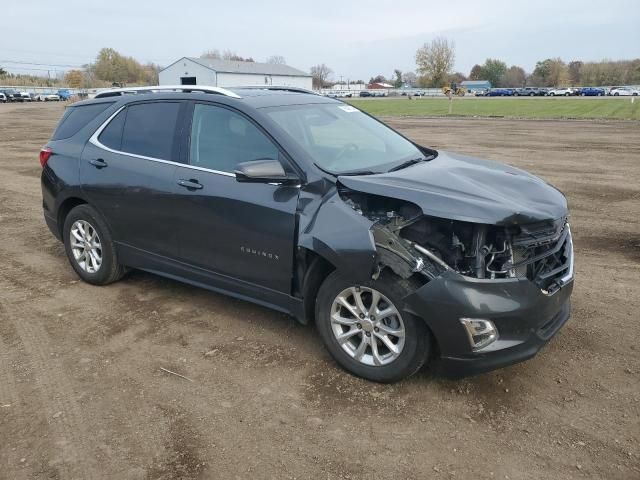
406 164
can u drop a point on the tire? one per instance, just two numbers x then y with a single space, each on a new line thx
552 94
616 94
413 350
567 94
109 270
531 94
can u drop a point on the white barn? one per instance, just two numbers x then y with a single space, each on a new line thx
231 73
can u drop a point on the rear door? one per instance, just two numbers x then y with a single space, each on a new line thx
127 173
240 230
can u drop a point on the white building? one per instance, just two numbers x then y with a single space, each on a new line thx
231 73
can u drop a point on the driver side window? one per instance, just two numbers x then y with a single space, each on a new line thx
222 138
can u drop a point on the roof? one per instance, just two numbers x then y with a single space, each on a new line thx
234 66
475 82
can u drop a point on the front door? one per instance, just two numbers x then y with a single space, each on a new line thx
240 230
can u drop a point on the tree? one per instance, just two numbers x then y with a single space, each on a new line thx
74 78
493 70
574 72
435 60
276 60
398 80
456 77
112 67
552 71
410 79
320 74
3 72
377 79
212 54
476 73
514 77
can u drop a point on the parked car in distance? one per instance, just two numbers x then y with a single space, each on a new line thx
12 94
3 98
560 91
529 92
47 97
365 93
623 91
400 254
481 92
64 94
26 96
500 92
592 91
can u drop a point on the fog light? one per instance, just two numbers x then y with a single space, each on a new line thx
481 332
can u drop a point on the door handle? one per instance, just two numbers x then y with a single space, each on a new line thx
190 184
98 163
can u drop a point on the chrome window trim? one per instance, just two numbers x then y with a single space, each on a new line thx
94 141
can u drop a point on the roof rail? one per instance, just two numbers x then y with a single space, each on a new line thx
279 88
166 88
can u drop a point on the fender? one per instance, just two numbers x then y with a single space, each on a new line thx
340 235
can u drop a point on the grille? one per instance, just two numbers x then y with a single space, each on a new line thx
547 263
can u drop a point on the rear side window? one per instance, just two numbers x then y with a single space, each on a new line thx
149 129
111 136
75 118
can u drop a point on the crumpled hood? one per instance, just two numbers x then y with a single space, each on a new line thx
467 189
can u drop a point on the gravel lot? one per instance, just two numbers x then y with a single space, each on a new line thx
83 396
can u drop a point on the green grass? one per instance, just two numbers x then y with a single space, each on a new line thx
587 108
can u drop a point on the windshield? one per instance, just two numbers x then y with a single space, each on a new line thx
342 140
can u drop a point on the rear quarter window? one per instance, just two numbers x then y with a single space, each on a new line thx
75 118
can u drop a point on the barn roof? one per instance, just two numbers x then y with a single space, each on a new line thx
234 66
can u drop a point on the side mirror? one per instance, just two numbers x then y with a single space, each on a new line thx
264 171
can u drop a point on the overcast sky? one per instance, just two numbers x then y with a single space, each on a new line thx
356 39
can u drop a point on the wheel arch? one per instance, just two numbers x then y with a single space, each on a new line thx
65 207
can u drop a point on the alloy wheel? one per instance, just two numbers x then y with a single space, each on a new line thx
86 246
367 326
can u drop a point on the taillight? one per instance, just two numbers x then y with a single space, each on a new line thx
45 154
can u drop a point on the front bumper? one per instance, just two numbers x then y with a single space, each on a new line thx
526 318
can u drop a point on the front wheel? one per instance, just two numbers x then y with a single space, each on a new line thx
366 330
90 248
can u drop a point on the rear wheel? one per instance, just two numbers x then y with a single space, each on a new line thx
90 248
366 330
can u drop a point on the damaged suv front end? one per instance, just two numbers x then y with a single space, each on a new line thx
492 245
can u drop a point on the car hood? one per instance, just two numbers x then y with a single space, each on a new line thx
467 189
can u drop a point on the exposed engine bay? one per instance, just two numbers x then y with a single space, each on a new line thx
409 243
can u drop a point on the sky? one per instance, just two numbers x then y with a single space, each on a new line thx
356 39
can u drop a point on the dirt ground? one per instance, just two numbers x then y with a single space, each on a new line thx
83 396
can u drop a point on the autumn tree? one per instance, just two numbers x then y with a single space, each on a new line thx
514 77
74 78
476 73
574 72
320 74
435 61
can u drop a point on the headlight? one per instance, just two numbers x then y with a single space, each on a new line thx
480 332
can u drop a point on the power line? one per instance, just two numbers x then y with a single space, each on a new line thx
18 62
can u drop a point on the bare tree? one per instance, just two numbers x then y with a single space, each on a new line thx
410 78
320 74
277 60
435 60
214 54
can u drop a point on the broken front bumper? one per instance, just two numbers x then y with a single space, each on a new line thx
526 318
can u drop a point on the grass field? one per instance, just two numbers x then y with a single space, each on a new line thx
587 108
